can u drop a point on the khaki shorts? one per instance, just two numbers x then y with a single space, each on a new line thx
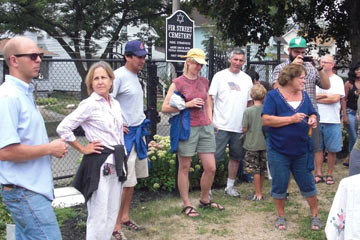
136 169
201 140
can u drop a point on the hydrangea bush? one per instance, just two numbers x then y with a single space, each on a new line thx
162 171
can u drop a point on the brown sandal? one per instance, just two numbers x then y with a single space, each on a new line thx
321 179
119 235
329 180
212 205
131 225
280 223
191 213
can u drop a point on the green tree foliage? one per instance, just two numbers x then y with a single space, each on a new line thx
256 21
338 20
247 21
77 24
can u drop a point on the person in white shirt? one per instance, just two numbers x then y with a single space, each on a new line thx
98 177
329 106
230 92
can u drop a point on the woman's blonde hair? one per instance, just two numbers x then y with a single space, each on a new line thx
190 60
290 72
90 75
258 92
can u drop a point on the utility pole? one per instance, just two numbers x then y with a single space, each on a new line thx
178 66
175 5
178 69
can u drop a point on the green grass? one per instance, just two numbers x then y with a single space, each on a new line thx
51 128
262 207
65 97
242 218
59 108
212 224
305 231
58 102
63 214
221 233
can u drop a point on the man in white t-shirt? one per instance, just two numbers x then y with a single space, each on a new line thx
230 91
328 102
128 91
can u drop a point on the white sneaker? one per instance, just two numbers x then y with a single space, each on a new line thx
231 191
210 195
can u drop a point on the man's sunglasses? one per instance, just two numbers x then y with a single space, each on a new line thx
32 56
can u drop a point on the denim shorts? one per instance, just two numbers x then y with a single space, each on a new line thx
235 141
32 213
316 137
331 137
281 166
201 140
351 127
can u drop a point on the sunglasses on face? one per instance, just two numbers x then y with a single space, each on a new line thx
32 56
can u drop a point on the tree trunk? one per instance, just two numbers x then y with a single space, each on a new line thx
80 66
353 9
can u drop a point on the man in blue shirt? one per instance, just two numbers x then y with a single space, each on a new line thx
25 163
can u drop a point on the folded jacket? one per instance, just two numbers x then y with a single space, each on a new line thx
179 125
88 175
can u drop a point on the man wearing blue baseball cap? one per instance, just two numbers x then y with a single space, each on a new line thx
314 77
128 91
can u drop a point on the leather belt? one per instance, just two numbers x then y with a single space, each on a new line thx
10 186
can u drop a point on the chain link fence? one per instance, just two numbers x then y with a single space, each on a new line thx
58 93
264 69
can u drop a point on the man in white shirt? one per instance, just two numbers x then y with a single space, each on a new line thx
328 102
230 91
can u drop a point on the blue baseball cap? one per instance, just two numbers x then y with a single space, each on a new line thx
135 47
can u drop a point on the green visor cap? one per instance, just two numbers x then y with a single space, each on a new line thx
297 42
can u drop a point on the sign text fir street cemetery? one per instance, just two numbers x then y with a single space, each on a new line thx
179 36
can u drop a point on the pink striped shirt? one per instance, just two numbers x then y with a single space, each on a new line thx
99 120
